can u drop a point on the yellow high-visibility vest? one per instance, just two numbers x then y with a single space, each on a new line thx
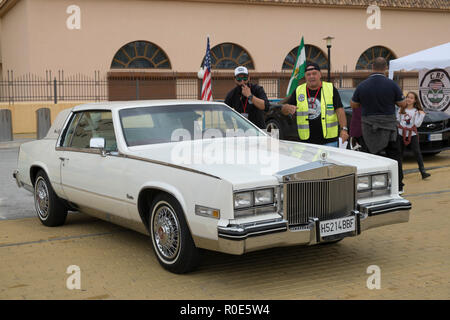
328 115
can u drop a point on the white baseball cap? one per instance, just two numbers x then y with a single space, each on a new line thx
240 70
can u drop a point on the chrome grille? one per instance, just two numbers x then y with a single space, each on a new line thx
323 199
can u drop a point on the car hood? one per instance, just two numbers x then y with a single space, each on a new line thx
435 116
252 161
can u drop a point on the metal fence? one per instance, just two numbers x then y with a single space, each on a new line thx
31 87
148 85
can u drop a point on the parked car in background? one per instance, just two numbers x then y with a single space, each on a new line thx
151 166
434 133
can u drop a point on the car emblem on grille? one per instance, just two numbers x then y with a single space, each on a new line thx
431 126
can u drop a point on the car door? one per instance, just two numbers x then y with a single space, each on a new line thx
91 178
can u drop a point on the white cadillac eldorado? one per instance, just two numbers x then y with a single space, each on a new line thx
195 174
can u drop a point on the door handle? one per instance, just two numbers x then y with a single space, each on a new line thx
63 159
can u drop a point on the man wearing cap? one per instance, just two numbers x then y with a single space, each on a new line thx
247 98
318 109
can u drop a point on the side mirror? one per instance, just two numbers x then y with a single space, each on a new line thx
98 143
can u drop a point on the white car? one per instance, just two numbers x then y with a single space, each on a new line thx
195 174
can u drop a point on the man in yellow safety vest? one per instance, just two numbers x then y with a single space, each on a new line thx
318 109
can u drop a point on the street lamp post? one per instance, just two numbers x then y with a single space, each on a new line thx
328 39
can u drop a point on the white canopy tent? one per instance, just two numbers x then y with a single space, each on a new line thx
436 57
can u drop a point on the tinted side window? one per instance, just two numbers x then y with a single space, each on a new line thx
94 124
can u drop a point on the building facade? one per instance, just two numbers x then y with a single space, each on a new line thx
154 49
86 35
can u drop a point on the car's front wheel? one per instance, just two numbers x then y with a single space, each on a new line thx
273 124
171 238
50 210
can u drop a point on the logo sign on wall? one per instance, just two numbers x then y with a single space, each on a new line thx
434 87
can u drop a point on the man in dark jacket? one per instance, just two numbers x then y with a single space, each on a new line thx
247 98
377 97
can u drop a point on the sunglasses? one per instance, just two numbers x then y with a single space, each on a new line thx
239 79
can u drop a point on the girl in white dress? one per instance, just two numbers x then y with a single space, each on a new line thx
409 119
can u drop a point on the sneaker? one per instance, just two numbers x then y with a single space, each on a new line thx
425 175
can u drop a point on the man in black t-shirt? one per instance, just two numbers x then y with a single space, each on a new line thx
247 98
323 128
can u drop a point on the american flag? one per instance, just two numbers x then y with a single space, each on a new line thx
206 85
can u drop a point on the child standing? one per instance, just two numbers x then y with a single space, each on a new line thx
410 118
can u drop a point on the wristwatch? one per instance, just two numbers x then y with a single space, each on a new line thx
250 98
345 128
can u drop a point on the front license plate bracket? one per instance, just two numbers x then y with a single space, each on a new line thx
354 232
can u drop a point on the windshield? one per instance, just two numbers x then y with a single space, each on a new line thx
346 96
162 124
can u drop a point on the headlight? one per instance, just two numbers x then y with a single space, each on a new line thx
379 181
264 196
373 185
364 183
243 200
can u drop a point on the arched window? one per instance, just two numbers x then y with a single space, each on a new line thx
366 60
140 55
313 54
229 56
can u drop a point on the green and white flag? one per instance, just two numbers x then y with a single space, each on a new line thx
299 69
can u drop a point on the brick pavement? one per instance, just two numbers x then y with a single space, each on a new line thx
119 264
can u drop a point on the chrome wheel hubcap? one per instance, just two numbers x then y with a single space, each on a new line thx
41 198
271 126
166 232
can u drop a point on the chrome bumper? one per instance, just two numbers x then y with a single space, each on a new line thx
16 177
239 239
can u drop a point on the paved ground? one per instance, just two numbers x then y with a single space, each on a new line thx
116 263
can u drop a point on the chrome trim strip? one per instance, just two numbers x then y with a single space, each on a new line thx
122 155
16 177
97 194
167 165
80 150
251 234
28 187
318 170
258 188
242 232
383 207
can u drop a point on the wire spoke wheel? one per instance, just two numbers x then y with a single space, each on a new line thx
171 238
41 198
166 232
50 210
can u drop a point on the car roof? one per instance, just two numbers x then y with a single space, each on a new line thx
115 105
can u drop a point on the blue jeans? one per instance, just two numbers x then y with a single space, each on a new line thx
332 144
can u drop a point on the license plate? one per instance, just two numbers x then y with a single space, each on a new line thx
337 226
435 137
